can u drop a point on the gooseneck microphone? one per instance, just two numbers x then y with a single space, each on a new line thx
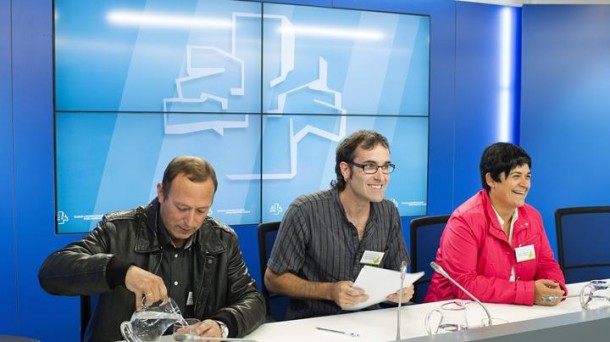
403 273
436 267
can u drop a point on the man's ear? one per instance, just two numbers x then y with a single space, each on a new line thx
160 192
346 172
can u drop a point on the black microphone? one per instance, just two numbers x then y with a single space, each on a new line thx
403 272
436 267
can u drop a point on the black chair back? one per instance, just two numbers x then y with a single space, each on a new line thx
425 237
276 304
583 237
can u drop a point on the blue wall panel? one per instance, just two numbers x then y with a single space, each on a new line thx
33 159
564 114
8 285
486 75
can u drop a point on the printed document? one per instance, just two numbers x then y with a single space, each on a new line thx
378 283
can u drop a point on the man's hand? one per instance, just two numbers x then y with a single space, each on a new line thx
545 287
407 294
145 285
345 294
208 328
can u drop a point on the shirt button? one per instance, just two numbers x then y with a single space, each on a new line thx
176 283
176 255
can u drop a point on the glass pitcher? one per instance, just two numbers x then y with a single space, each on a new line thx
595 294
150 322
452 317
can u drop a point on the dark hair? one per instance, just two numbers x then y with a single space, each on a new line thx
194 168
367 139
500 158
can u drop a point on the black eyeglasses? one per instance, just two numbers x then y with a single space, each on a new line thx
371 168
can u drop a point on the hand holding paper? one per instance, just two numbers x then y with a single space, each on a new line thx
407 294
345 294
379 283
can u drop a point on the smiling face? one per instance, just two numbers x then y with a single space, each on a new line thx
185 207
362 187
510 192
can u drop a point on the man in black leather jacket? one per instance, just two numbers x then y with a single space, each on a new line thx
170 248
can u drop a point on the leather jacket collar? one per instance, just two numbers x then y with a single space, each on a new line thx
147 240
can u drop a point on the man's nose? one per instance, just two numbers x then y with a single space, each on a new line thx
190 218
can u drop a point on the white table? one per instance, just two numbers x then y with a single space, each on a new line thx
380 325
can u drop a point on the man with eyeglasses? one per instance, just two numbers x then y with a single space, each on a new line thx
326 237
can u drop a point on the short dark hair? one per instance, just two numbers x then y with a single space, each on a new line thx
367 139
500 158
196 169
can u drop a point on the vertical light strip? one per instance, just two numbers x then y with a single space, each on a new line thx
506 78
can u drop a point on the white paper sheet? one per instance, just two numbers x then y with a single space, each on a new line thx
379 283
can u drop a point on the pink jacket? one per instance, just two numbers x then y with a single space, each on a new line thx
475 251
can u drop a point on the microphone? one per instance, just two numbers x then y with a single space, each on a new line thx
403 272
436 267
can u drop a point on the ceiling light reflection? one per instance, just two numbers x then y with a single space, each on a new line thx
163 20
333 32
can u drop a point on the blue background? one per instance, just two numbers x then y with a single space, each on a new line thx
562 83
565 117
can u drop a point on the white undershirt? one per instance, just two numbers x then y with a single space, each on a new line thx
510 235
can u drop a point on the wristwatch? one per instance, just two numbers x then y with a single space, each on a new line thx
224 331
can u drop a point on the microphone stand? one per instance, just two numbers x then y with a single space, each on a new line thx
403 272
436 267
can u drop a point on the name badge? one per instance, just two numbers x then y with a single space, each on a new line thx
189 299
525 253
371 258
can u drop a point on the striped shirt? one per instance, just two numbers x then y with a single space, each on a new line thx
316 242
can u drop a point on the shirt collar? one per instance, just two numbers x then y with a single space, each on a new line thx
513 219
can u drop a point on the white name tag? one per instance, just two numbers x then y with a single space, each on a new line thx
525 253
189 299
371 258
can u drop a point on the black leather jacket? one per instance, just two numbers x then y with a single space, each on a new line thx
223 288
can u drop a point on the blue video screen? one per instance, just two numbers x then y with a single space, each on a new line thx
311 162
263 91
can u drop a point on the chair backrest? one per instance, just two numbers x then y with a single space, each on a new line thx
583 242
276 304
425 237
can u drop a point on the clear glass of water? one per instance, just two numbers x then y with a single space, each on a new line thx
184 331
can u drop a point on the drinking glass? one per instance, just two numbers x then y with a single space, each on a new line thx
184 331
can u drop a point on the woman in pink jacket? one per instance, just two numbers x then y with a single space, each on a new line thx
494 244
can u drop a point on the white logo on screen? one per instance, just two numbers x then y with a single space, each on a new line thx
276 209
62 217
